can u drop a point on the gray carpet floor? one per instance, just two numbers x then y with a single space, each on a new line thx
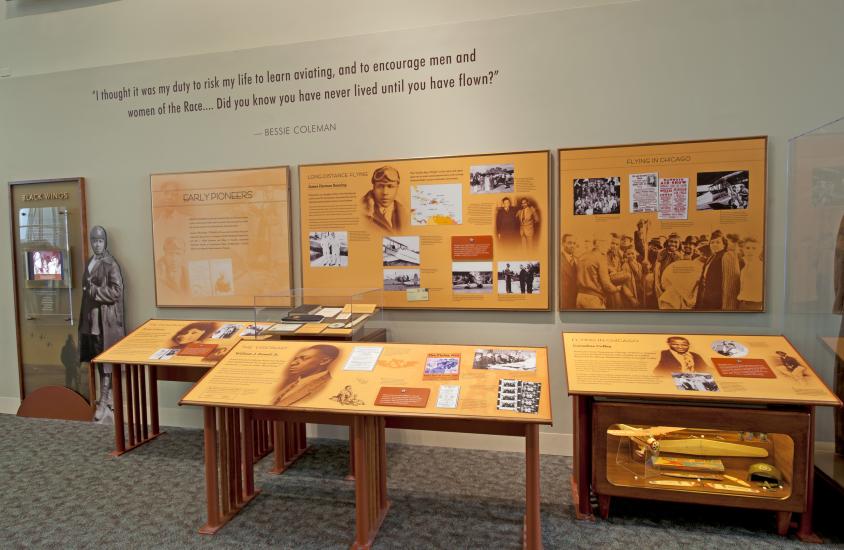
60 488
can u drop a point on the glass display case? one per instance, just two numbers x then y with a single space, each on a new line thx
44 254
322 314
700 460
814 298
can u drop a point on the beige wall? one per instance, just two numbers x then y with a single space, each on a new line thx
606 74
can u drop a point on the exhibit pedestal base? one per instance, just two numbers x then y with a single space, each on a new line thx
575 495
229 474
135 395
596 472
56 402
289 444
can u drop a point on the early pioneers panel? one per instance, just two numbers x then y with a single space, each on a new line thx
692 366
466 232
220 238
666 226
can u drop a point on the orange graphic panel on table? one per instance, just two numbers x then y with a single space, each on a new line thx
482 382
713 367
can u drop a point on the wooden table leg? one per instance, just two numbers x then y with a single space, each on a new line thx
131 406
533 526
289 443
117 397
229 481
155 429
582 467
249 426
804 531
351 475
212 498
371 502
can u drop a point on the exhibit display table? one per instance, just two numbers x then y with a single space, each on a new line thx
710 419
470 389
176 351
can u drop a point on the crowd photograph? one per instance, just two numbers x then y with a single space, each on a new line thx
597 196
715 271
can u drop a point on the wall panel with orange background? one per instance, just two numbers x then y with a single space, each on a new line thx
692 160
436 201
221 238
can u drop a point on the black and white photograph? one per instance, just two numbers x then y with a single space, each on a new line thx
471 277
505 359
518 277
225 331
253 330
400 251
729 348
597 196
491 178
518 396
164 354
723 190
688 381
329 248
401 279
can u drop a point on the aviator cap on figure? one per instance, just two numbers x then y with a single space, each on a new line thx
97 232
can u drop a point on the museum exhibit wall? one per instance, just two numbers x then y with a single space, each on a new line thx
606 73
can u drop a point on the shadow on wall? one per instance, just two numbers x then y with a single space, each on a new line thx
24 8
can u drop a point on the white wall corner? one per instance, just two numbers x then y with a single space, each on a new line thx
9 405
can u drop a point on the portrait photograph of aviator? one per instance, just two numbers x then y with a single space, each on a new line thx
380 205
518 277
401 279
505 359
694 382
679 358
308 372
597 196
471 277
437 204
517 222
491 178
723 190
44 265
329 248
400 251
193 332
